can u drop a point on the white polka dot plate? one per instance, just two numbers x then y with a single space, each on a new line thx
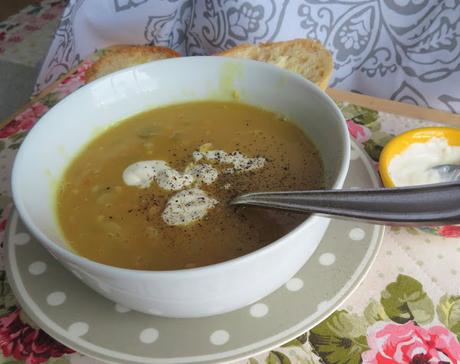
80 318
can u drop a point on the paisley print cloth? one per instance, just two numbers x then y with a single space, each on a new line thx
406 50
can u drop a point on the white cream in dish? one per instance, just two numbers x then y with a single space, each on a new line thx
414 165
190 204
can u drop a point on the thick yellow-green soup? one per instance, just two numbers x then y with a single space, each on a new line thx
152 191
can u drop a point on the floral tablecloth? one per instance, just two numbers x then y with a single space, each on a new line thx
24 37
407 310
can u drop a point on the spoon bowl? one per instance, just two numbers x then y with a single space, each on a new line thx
448 172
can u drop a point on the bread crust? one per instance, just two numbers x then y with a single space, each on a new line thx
324 63
122 56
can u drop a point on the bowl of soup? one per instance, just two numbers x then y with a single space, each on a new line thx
127 181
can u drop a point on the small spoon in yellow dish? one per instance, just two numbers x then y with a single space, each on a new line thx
448 172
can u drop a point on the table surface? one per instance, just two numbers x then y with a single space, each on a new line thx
411 291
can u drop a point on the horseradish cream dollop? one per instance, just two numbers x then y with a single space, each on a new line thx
191 203
240 162
414 165
142 174
187 206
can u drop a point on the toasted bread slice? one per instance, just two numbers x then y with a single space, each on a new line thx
306 57
119 57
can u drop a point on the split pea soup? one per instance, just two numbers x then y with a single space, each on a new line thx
152 191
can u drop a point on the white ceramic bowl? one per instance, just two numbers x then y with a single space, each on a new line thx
218 288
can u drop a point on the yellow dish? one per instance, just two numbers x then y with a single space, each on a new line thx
398 144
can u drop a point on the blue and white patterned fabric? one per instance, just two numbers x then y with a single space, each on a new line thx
405 50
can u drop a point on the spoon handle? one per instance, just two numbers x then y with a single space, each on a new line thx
436 204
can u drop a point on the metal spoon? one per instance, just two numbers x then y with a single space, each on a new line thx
436 204
448 172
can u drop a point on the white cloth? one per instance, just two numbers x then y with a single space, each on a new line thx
406 50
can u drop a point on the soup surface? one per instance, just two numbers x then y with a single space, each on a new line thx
115 206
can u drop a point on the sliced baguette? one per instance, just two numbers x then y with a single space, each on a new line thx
306 57
123 56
